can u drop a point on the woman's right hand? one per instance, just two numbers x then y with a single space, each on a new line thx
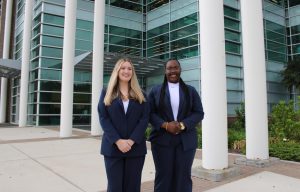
123 145
173 127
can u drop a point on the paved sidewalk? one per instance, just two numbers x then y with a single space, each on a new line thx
35 159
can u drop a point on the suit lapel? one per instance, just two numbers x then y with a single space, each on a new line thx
130 106
181 103
169 111
120 105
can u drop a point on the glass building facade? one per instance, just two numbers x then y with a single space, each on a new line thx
152 29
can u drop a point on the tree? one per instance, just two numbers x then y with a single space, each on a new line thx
291 74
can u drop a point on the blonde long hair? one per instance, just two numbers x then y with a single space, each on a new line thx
113 92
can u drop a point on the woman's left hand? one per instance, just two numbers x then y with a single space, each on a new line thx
173 127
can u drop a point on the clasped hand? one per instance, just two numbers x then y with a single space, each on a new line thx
173 127
124 145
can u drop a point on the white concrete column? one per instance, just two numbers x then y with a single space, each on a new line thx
254 80
7 29
66 111
3 99
213 85
98 63
25 63
6 44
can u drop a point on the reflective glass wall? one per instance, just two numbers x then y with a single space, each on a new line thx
293 30
157 29
17 55
275 49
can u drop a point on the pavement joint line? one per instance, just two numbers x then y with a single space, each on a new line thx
52 171
44 139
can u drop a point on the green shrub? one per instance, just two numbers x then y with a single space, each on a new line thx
235 135
148 131
285 121
199 133
239 122
289 150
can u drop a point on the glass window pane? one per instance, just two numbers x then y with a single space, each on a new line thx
186 42
275 56
51 63
52 41
50 74
185 53
125 50
52 52
50 97
158 49
234 72
275 27
54 19
82 87
49 120
192 29
50 85
228 11
158 31
234 96
81 98
158 40
87 25
123 41
53 30
84 45
232 24
232 47
295 29
276 47
190 19
278 37
233 36
82 76
83 34
49 108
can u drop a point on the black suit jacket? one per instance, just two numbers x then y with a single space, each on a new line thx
118 125
159 116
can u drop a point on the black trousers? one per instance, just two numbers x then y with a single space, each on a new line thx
173 167
124 173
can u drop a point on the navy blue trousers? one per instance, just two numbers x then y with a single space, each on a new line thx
124 174
173 167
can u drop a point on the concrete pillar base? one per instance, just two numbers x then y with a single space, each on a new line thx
215 175
256 162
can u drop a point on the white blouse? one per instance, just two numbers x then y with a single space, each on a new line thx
174 97
125 104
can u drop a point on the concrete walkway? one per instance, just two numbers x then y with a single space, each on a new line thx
35 159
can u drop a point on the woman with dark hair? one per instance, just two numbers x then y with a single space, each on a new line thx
176 109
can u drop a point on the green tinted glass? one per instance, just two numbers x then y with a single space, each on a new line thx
158 40
52 30
230 12
81 24
190 19
232 24
274 27
233 36
51 63
189 30
185 42
158 31
54 19
53 41
232 47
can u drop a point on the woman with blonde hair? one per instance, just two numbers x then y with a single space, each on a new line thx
124 114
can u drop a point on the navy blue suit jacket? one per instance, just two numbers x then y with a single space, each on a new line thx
159 116
118 125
